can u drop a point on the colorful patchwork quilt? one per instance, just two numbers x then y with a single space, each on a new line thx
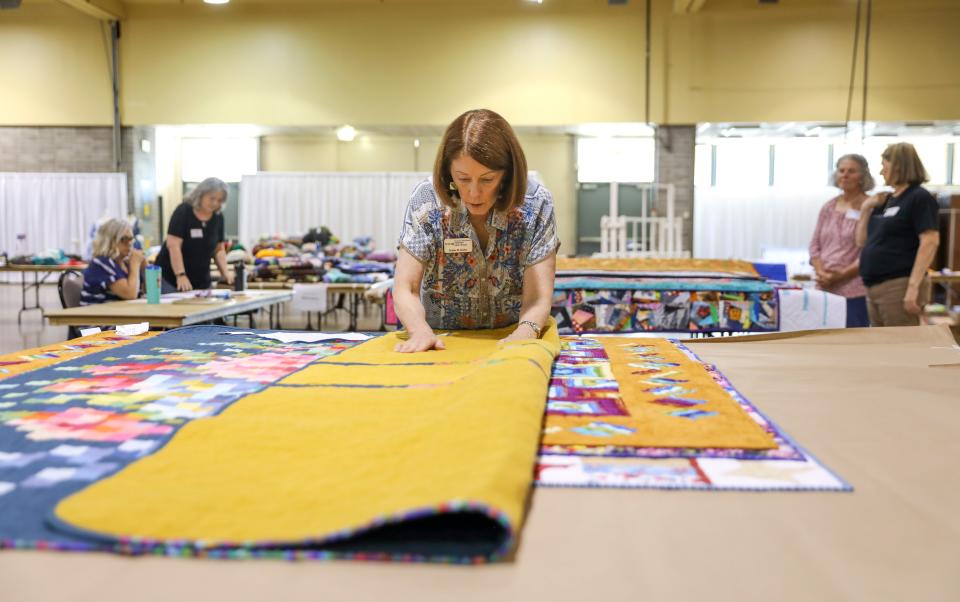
205 441
197 443
593 295
664 306
646 417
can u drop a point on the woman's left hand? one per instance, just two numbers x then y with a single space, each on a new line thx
228 278
827 278
521 333
910 301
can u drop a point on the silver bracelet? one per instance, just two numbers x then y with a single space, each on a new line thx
533 326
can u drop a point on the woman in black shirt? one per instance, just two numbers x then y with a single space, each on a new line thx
898 233
194 236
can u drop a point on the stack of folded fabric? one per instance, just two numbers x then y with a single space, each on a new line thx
318 257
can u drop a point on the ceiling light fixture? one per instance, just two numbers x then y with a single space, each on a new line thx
346 134
216 1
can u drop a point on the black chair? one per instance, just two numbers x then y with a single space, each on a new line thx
69 287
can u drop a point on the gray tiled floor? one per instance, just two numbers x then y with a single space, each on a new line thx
33 331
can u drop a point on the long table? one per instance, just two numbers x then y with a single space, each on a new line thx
878 405
353 293
26 285
173 312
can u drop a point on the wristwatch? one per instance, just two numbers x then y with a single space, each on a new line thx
181 274
533 326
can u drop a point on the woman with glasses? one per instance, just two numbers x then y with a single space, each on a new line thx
194 236
114 271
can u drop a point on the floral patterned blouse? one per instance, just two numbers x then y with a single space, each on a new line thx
834 242
480 288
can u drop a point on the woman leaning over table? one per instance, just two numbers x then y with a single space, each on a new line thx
898 233
834 253
479 240
194 236
114 270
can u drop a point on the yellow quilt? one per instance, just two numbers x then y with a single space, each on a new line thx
672 402
354 441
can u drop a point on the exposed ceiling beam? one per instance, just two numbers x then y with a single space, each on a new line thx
687 7
105 10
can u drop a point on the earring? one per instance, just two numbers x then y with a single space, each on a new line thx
452 186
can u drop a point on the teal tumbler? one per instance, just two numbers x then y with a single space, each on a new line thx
153 283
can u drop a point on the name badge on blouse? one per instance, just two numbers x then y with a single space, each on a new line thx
852 214
196 233
457 245
891 211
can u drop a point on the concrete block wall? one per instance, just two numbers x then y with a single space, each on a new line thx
66 149
675 165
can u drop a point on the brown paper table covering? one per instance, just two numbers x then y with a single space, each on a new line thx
881 406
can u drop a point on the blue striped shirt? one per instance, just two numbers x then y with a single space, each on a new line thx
101 272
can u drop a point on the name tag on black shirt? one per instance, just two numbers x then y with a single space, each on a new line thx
196 233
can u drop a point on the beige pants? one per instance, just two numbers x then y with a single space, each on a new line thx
885 303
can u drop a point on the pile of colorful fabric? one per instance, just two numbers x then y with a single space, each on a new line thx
318 257
48 257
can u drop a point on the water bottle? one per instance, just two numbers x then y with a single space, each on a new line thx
152 276
239 278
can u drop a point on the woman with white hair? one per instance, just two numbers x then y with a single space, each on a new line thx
114 271
194 236
834 253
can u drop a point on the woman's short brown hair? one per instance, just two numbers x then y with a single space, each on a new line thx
487 138
905 165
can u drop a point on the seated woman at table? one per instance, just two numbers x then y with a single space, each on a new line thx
478 245
834 253
194 236
114 270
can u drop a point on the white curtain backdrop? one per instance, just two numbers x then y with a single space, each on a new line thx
731 223
56 210
350 204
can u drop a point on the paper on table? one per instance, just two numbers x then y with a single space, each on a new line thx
129 330
307 337
310 297
85 332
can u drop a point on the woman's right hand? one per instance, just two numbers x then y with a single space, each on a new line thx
420 341
872 202
183 283
136 257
